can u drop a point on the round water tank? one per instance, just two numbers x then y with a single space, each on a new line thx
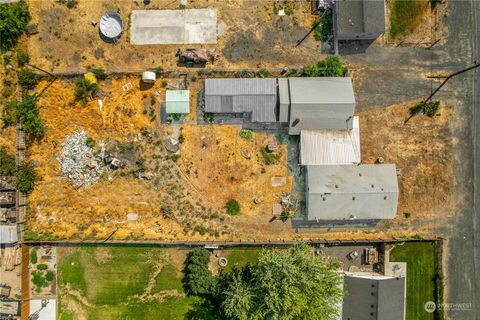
148 77
111 25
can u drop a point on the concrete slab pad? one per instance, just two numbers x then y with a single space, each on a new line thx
191 26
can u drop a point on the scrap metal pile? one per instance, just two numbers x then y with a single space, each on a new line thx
77 161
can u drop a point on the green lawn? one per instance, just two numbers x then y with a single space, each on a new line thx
421 258
240 257
111 283
406 15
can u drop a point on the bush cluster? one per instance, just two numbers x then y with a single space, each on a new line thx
233 207
331 66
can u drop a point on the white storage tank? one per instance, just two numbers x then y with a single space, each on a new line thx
148 77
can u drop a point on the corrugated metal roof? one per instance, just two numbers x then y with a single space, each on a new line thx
240 86
256 96
321 103
329 147
350 192
177 101
8 234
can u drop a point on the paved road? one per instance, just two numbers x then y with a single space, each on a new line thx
386 76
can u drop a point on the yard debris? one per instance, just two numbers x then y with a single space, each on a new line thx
77 161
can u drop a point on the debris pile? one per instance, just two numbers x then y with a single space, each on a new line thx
78 163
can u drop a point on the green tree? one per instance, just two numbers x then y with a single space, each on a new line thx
50 276
324 29
27 79
285 284
7 162
25 177
33 256
198 280
22 58
14 19
84 90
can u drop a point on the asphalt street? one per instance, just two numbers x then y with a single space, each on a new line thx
387 75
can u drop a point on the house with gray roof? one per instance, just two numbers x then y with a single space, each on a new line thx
351 193
254 97
359 19
317 103
373 297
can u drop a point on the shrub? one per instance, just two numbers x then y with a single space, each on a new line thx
25 177
407 215
324 29
331 66
174 117
22 58
264 73
164 83
84 89
233 207
27 79
90 142
27 113
198 280
429 108
71 4
33 256
98 72
50 276
14 19
208 117
246 134
38 280
7 162
269 157
285 215
42 266
181 138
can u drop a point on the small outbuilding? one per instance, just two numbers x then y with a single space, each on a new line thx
351 193
254 97
8 234
177 101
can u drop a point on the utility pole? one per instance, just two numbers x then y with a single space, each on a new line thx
448 78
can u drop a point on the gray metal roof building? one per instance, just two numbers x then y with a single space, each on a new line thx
351 192
255 96
359 19
317 103
373 297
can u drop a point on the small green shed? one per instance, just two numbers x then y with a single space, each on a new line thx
177 101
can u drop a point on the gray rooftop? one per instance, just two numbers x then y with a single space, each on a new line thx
255 96
351 192
8 234
374 298
319 103
359 19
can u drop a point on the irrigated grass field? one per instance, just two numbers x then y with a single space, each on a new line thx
123 283
421 259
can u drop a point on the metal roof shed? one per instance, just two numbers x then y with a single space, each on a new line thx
351 192
320 103
177 101
256 96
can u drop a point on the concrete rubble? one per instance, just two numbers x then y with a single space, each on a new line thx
77 161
